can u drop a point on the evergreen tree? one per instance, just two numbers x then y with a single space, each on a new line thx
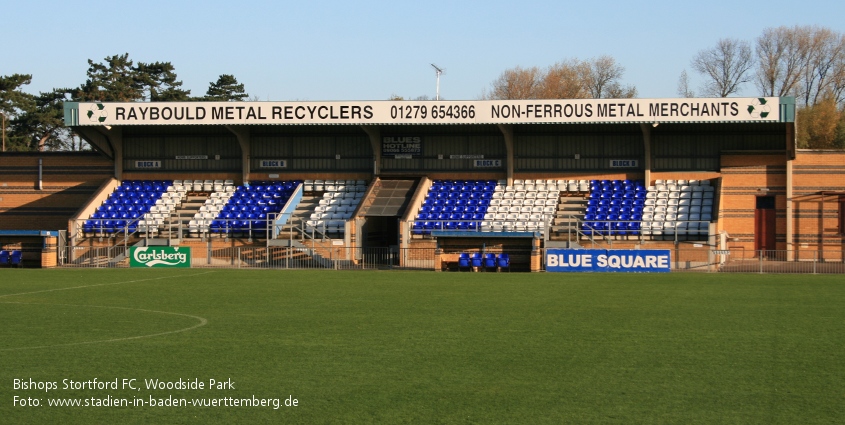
225 89
43 128
159 80
116 80
13 103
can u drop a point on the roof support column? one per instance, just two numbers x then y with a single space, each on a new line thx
790 219
242 134
374 132
507 131
117 143
646 129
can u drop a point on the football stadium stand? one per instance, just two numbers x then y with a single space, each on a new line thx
504 178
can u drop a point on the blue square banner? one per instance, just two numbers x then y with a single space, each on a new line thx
613 260
573 260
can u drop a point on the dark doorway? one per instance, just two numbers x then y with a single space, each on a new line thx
380 232
380 244
765 225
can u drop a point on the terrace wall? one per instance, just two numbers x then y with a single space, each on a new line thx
68 181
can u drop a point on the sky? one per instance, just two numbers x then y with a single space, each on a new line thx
372 50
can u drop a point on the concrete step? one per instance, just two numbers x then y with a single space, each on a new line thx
564 221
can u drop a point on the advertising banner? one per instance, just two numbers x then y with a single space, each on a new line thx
610 260
160 256
573 260
401 147
539 111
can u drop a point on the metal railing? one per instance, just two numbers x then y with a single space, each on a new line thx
94 257
173 228
580 233
325 258
478 225
356 258
798 261
269 257
611 228
709 260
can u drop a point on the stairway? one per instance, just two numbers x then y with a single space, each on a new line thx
389 198
295 226
570 210
181 216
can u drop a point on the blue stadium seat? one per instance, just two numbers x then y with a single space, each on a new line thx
477 260
503 261
489 260
619 228
464 261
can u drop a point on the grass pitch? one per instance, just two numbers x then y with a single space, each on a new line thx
423 347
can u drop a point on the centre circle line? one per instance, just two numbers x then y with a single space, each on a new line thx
202 321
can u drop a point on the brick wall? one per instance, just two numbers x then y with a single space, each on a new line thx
818 183
744 178
818 179
68 181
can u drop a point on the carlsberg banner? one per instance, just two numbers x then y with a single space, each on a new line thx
160 256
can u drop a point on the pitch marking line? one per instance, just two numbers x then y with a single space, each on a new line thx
102 284
202 321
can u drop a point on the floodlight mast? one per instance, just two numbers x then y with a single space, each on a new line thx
438 71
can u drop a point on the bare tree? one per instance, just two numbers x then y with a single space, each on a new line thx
617 91
837 80
570 79
565 80
826 64
603 76
782 57
683 85
517 83
726 66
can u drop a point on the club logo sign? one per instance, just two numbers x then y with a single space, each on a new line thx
160 256
759 109
97 113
